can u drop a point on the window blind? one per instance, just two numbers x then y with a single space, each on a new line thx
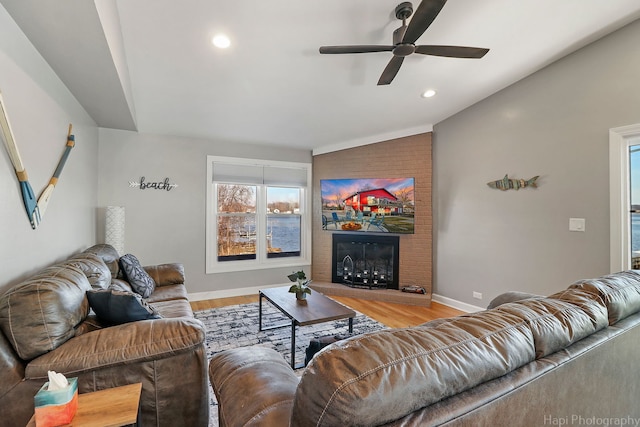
258 174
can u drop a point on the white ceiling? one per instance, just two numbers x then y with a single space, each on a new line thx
149 65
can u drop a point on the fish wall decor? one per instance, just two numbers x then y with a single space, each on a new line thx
507 183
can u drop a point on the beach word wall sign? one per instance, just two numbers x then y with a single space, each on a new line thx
157 185
507 183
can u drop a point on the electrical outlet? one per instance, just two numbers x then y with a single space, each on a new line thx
576 224
477 295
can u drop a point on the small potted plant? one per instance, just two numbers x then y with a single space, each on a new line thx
301 286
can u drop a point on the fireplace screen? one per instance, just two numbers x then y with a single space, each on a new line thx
366 261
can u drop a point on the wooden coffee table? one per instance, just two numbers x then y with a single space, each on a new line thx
317 308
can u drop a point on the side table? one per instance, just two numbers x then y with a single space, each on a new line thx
112 407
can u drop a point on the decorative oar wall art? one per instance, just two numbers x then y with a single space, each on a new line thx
507 183
43 200
28 198
35 208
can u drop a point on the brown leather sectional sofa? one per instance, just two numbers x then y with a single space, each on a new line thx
46 324
571 358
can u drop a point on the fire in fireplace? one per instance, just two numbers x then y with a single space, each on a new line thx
365 261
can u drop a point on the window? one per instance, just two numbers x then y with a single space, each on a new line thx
236 225
283 222
634 200
258 214
621 227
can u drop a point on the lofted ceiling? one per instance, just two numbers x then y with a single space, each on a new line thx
149 65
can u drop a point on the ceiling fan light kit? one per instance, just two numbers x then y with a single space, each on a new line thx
404 39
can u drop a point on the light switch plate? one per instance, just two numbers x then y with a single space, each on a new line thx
576 224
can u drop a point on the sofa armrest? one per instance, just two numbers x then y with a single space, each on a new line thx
254 386
166 274
118 345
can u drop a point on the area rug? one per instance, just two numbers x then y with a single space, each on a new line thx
237 326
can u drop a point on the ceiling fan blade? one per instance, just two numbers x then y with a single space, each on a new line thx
355 49
391 70
452 51
422 18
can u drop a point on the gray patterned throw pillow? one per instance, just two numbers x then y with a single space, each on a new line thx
137 277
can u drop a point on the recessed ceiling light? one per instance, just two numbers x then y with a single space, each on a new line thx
221 41
428 93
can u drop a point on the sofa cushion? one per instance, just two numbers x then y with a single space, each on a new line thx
555 324
120 285
109 256
173 308
168 293
139 279
511 296
116 307
93 267
588 302
42 313
90 324
620 293
376 378
166 274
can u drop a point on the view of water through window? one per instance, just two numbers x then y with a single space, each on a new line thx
283 221
237 222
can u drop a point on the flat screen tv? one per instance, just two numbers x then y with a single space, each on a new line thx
373 205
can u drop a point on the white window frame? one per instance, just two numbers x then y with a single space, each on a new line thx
620 139
261 260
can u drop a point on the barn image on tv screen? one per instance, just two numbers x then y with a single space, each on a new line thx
383 205
378 200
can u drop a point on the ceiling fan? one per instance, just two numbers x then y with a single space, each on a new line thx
404 39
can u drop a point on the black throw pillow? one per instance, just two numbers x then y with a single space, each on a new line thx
137 277
116 307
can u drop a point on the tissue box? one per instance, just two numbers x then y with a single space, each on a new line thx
57 407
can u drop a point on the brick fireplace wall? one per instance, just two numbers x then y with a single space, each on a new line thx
397 158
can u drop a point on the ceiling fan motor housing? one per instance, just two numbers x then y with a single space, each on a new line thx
404 10
404 49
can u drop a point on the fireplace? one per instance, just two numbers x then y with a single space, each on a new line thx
365 261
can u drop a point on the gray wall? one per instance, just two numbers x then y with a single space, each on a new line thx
40 109
555 124
169 226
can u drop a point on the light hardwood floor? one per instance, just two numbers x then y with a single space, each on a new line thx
390 314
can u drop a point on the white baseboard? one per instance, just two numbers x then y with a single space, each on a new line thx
253 290
459 305
227 293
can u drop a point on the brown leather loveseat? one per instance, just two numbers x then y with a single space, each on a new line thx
46 324
571 358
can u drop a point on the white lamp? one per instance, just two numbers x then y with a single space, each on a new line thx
114 228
